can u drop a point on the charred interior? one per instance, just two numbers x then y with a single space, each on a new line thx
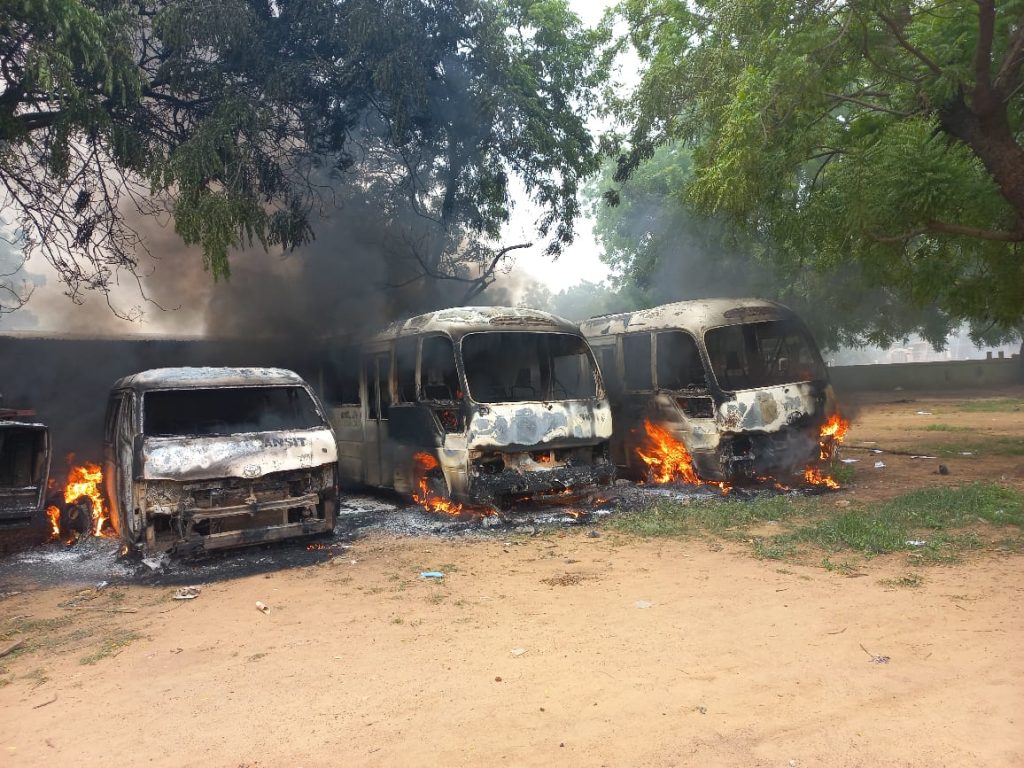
24 466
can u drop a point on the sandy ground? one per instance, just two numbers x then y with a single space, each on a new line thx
564 648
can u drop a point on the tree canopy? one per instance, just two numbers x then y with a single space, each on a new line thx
878 142
236 117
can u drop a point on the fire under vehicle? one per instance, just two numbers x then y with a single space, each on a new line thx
24 468
484 405
739 382
200 459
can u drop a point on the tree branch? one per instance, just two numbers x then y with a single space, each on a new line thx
983 55
869 105
908 46
941 227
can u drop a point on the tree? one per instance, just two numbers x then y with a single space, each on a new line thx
877 138
235 117
660 248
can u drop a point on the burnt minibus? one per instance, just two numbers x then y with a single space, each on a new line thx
485 405
739 382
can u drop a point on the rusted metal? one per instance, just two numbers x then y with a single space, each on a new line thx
228 486
731 432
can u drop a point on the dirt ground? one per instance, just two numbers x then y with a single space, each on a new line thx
579 647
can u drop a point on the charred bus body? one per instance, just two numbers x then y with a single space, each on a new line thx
24 468
490 404
739 382
201 459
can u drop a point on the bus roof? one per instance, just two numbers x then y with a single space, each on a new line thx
694 316
205 378
459 321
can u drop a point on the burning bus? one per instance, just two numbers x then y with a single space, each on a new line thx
199 459
474 405
715 391
24 468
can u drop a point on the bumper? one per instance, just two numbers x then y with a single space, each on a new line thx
508 484
750 456
248 537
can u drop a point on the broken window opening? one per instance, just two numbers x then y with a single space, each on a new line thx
678 362
636 360
405 369
511 367
22 456
228 410
439 377
763 355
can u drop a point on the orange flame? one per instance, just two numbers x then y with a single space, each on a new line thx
830 437
814 476
669 460
87 480
53 513
427 498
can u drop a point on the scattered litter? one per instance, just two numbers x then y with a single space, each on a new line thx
843 503
177 650
593 534
924 413
943 469
875 659
849 461
431 575
877 450
643 604
101 585
155 563
915 542
701 708
879 465
517 652
966 453
186 593
924 457
262 608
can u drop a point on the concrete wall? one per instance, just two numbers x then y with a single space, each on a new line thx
947 374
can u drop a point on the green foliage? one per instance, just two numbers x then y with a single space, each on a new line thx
235 116
855 141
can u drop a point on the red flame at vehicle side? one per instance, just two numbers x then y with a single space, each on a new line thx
53 515
669 461
87 480
832 434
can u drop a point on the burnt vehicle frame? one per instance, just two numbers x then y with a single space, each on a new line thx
24 469
659 369
185 491
404 406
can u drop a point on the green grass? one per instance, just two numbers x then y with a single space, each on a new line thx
941 518
843 473
907 581
991 446
992 406
946 428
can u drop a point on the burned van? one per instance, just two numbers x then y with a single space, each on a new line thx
477 404
200 459
739 383
24 468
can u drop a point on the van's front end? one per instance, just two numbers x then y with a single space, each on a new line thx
539 424
238 462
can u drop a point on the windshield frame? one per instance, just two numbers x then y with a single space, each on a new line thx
142 411
599 390
791 320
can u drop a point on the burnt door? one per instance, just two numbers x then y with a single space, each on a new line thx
377 454
110 470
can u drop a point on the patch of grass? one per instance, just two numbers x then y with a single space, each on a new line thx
112 646
775 548
992 406
843 473
398 620
37 676
946 428
906 581
437 597
256 657
846 568
673 518
992 446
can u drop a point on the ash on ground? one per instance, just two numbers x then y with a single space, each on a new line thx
93 560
